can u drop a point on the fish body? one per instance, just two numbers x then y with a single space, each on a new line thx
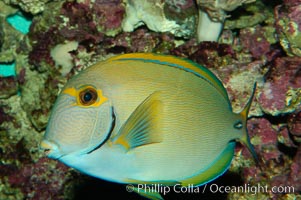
146 118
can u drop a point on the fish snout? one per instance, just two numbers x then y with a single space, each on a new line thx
50 149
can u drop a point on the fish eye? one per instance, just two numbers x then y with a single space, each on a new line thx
88 96
238 125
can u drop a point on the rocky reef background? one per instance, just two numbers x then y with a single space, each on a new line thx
260 42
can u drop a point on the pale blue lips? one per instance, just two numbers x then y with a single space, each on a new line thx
51 149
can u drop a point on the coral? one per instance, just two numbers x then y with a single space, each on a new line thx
295 173
35 175
61 56
276 165
100 16
294 124
31 6
108 16
40 57
41 95
264 139
281 91
212 54
42 179
72 21
292 177
4 117
160 16
205 23
255 40
23 173
8 87
212 15
288 25
250 15
10 37
138 41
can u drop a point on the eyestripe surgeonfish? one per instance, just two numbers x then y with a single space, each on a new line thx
146 118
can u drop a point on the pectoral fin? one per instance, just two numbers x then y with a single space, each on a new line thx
141 128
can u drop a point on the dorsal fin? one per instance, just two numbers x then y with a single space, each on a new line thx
180 63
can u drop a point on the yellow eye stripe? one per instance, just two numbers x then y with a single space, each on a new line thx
76 94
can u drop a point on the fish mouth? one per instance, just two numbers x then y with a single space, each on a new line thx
50 149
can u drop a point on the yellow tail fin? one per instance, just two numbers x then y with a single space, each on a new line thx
244 114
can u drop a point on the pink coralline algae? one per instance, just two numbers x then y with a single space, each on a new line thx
212 54
42 179
38 180
86 23
254 40
80 25
138 41
41 51
108 15
209 54
101 16
267 136
288 25
283 75
294 123
291 2
293 176
179 10
274 148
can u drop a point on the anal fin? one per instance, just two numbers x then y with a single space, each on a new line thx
218 167
153 195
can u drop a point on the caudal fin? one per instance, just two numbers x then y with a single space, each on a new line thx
244 114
